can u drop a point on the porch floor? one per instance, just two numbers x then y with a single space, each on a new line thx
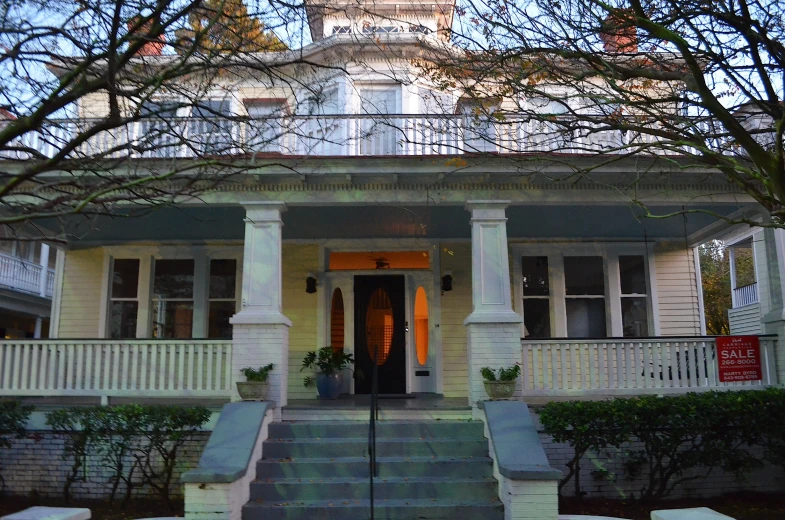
356 407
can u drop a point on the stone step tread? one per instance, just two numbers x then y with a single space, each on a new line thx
378 480
391 502
333 460
341 440
381 421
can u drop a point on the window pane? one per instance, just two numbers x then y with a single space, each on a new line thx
632 272
535 275
125 278
223 275
172 319
537 317
421 325
122 322
586 318
218 322
337 320
174 279
584 275
634 317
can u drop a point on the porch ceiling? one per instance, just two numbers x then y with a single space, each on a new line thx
225 223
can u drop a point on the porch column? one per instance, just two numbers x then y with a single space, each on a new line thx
260 330
493 328
771 269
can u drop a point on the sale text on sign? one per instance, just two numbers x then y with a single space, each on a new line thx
739 358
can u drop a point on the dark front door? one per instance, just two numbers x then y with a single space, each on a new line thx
379 326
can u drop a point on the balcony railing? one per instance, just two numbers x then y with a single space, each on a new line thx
116 368
631 366
25 276
745 295
338 135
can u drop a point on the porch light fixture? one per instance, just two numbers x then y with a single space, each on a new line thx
447 281
310 283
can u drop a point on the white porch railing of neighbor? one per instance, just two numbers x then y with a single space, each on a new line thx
745 295
334 135
630 366
116 368
25 276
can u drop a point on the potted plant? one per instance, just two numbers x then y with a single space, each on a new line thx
255 384
500 384
329 364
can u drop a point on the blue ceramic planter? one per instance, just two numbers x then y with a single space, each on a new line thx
328 386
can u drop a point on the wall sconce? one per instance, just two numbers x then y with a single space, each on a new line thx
447 281
310 283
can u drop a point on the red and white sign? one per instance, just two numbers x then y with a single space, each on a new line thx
738 358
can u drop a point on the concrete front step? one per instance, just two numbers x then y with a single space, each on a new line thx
442 508
384 429
361 415
281 490
478 467
385 447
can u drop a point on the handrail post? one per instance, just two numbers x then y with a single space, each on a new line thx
374 416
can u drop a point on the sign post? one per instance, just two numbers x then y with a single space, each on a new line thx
738 358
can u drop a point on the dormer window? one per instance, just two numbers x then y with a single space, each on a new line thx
342 29
421 29
545 105
369 28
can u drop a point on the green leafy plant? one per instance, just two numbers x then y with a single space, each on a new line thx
501 374
13 419
258 375
326 360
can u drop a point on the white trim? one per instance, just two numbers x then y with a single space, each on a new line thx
200 294
54 323
699 284
144 313
654 301
106 287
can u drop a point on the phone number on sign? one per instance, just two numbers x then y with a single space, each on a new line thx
734 362
741 376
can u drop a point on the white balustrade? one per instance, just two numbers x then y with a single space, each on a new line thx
630 366
331 135
21 275
745 295
116 368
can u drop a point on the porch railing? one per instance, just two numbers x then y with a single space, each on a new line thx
745 295
333 135
25 276
630 366
116 368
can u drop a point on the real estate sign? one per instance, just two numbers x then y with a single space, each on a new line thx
739 358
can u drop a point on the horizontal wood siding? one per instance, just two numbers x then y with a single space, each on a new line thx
745 320
80 302
676 289
456 306
300 307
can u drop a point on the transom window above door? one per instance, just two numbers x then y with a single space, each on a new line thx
365 260
597 295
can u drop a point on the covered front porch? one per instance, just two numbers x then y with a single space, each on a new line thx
269 281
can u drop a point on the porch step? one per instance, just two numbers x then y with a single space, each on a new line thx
359 415
384 429
427 470
357 488
396 509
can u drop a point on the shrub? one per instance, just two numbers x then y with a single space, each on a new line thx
258 375
129 440
668 440
502 374
13 419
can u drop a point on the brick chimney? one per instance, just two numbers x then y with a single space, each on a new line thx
153 47
619 33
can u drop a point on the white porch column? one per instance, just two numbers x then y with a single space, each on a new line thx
493 328
772 293
43 261
260 330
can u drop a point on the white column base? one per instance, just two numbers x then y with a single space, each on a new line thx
258 344
491 345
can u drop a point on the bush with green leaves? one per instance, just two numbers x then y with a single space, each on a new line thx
257 375
138 444
669 440
501 374
13 419
326 360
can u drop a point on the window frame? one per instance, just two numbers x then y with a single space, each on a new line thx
610 252
147 255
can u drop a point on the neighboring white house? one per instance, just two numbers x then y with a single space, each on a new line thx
371 188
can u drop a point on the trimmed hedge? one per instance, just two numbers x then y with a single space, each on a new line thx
670 440
138 444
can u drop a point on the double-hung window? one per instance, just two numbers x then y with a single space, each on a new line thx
582 291
173 299
222 298
123 298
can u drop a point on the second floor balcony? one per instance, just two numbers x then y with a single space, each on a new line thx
332 135
28 277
